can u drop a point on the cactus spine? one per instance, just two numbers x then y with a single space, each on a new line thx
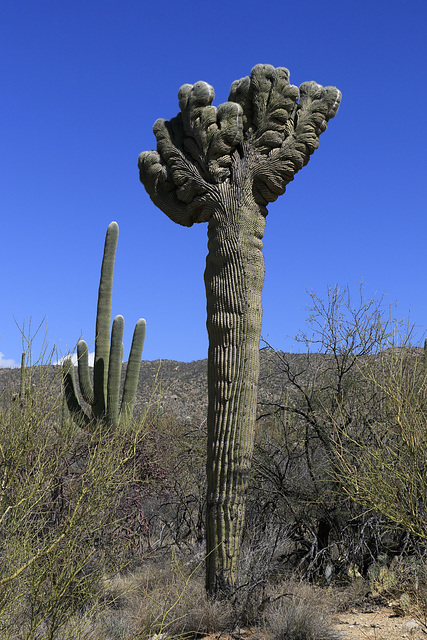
104 396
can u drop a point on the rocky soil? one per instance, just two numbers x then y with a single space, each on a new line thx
382 624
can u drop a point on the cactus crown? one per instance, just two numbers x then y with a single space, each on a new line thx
268 124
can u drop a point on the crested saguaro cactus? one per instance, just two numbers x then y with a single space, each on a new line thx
104 396
223 166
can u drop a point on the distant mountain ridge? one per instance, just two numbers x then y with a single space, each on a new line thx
180 388
169 386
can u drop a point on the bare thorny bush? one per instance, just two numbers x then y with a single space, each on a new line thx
341 453
175 509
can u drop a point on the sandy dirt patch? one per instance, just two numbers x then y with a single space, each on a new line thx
381 624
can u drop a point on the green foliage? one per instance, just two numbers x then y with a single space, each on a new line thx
381 578
382 467
104 396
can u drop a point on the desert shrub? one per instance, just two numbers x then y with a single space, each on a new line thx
176 508
169 599
400 583
382 467
299 612
334 435
63 519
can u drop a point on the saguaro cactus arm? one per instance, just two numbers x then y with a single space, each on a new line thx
133 367
115 369
83 370
193 154
223 166
71 396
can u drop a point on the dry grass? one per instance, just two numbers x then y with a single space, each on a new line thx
163 598
299 611
169 601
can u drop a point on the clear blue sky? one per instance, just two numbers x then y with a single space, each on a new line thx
81 86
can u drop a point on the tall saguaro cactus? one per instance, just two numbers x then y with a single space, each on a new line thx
223 166
104 396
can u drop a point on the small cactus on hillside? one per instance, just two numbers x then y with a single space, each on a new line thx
22 385
23 391
104 395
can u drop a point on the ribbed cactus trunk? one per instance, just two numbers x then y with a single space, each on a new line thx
234 278
223 166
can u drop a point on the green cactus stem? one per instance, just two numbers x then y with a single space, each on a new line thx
22 386
223 166
103 397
